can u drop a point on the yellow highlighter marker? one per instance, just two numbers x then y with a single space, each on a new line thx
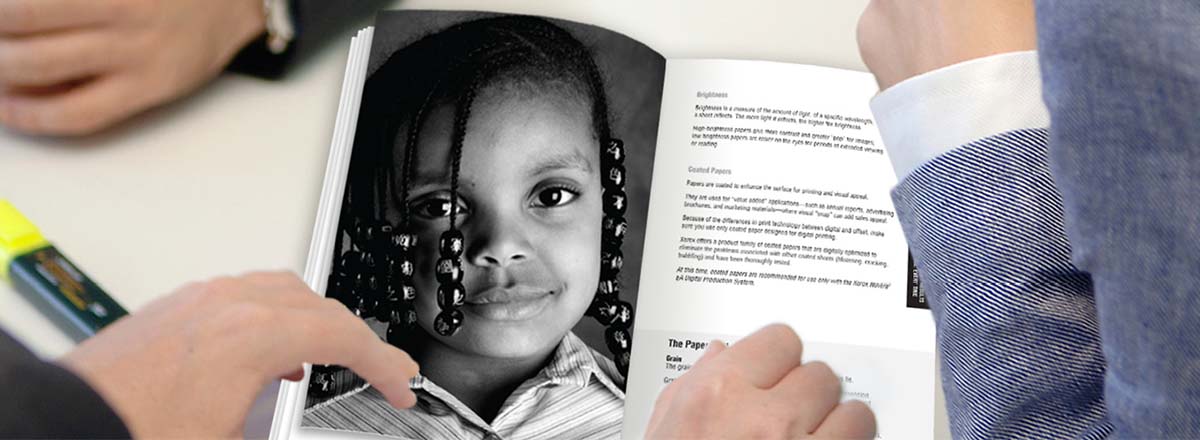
50 281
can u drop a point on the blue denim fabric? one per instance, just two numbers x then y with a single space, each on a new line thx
1122 83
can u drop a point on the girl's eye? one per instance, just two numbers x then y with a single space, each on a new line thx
557 196
435 207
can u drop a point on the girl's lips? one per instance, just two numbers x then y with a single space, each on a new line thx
509 304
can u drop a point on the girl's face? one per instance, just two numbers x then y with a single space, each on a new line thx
530 210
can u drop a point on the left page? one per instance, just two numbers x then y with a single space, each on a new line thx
492 225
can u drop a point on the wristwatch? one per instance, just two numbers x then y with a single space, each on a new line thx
280 29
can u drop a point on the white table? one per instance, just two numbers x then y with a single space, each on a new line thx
227 180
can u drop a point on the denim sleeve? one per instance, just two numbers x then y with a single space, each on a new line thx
1122 83
1016 322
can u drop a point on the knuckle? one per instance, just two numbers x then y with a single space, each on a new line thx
825 381
821 372
711 390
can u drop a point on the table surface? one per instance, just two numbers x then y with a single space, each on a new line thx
227 180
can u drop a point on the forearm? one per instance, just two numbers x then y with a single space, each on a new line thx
1016 323
1123 87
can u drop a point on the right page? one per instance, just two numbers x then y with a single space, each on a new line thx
770 204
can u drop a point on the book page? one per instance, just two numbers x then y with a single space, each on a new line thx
770 204
488 218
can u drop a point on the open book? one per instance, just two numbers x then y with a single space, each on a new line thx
555 221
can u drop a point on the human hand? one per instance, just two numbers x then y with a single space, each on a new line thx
758 388
900 39
190 365
71 67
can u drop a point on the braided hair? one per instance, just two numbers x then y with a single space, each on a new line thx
373 274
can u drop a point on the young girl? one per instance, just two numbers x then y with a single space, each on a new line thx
483 219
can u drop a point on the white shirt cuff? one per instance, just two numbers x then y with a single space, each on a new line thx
936 112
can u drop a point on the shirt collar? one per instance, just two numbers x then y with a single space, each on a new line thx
573 363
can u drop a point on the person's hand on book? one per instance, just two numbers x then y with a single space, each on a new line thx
70 67
758 388
190 365
900 39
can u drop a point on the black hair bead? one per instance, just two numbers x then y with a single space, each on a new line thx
365 307
320 382
614 152
622 361
448 322
609 288
383 310
623 317
451 244
603 310
349 263
402 315
384 234
451 295
408 292
618 339
405 269
615 178
611 262
365 233
449 271
385 265
615 202
404 242
615 229
339 286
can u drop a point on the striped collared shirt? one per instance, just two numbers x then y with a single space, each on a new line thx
573 397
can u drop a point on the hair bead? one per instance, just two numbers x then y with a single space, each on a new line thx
615 178
451 243
614 152
403 242
609 288
449 271
615 229
615 202
451 295
618 339
611 262
447 322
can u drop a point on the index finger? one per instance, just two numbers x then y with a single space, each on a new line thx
19 17
766 356
333 336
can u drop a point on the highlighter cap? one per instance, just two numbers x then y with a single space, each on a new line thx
18 236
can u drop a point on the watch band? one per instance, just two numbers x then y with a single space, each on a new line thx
280 29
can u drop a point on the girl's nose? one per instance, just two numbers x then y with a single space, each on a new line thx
497 243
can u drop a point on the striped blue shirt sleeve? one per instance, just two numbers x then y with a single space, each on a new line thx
1016 321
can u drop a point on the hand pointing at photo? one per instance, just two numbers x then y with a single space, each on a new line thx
190 364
